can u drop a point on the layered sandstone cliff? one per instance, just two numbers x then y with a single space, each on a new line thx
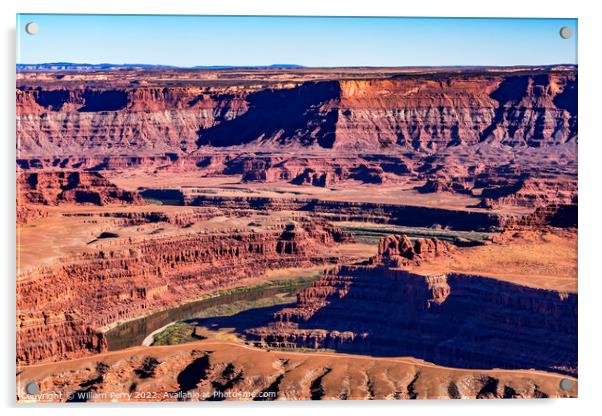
408 215
60 187
451 319
399 250
508 137
423 113
62 307
38 189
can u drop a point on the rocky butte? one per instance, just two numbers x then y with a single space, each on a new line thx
440 205
453 319
505 136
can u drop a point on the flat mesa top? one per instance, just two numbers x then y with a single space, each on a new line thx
52 74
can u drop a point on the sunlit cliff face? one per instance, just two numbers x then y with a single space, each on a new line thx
425 113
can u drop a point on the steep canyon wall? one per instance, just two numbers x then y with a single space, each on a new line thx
62 307
413 112
450 319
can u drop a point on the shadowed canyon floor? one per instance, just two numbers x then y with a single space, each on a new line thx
299 233
448 318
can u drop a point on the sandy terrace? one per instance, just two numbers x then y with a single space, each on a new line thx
546 260
64 232
401 193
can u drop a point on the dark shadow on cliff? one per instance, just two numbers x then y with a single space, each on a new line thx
104 101
512 115
241 321
407 215
93 101
482 323
510 91
301 114
567 100
133 332
52 100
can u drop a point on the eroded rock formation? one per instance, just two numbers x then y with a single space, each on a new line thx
421 112
508 137
62 307
505 140
399 250
233 372
409 215
60 187
450 319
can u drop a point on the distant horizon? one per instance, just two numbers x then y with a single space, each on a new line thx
285 66
312 42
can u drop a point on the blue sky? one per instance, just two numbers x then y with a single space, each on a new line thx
309 41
